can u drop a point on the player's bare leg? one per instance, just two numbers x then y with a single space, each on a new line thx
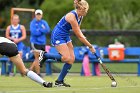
35 65
20 65
66 50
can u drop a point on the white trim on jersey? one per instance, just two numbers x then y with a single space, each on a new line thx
15 27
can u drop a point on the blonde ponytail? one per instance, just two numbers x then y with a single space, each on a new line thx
81 4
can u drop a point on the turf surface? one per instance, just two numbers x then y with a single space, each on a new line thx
113 67
79 84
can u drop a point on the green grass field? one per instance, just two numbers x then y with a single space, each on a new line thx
113 67
79 84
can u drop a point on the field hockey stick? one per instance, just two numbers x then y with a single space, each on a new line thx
105 69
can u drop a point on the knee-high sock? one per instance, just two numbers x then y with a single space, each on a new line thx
64 71
53 56
32 75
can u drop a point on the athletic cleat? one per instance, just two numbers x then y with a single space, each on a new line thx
42 59
48 84
61 84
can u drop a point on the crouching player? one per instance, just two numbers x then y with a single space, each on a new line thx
9 49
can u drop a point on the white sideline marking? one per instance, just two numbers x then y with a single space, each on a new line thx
73 89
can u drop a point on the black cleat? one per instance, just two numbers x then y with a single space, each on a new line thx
42 59
61 84
48 84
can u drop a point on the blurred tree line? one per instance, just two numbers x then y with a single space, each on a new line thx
103 15
6 5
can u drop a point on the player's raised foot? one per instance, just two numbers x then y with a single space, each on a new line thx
48 84
42 59
61 84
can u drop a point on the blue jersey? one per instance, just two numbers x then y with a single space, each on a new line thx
15 32
61 32
65 26
39 29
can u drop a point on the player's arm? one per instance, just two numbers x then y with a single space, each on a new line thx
7 34
34 30
45 27
23 34
75 27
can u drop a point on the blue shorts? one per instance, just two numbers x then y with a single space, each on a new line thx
20 46
59 38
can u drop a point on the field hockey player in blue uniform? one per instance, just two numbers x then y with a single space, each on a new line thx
60 38
17 33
